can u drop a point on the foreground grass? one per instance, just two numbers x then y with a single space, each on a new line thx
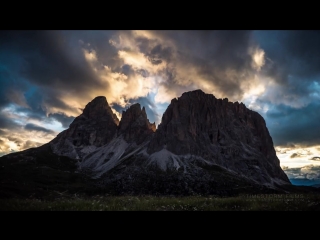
292 202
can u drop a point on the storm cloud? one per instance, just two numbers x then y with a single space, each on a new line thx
62 118
299 125
33 127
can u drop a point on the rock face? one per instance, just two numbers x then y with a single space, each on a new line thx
202 145
95 127
225 133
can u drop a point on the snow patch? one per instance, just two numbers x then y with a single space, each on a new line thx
163 158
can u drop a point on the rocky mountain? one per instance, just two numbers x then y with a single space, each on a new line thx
203 145
95 127
224 133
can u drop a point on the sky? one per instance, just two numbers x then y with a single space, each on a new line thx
47 78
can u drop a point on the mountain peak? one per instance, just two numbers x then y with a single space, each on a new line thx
197 91
99 107
135 124
202 125
196 95
96 126
99 97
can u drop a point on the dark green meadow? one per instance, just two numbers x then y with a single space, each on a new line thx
262 202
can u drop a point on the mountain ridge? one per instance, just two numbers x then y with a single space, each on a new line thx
196 124
203 145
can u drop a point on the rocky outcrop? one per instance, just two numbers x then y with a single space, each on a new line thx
225 133
135 125
95 127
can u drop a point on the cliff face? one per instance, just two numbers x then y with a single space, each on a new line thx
202 144
225 133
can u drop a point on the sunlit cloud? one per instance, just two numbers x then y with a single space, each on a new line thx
26 132
298 156
257 58
22 139
119 88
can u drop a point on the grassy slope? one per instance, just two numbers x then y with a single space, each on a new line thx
39 174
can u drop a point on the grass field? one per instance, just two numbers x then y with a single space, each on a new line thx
270 202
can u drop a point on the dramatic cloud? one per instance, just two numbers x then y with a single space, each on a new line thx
5 122
291 53
21 138
33 127
294 125
4 147
297 156
62 118
126 65
308 175
220 62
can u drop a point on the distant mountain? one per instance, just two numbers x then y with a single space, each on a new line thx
305 182
203 145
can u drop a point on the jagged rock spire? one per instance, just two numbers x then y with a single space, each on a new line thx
134 124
